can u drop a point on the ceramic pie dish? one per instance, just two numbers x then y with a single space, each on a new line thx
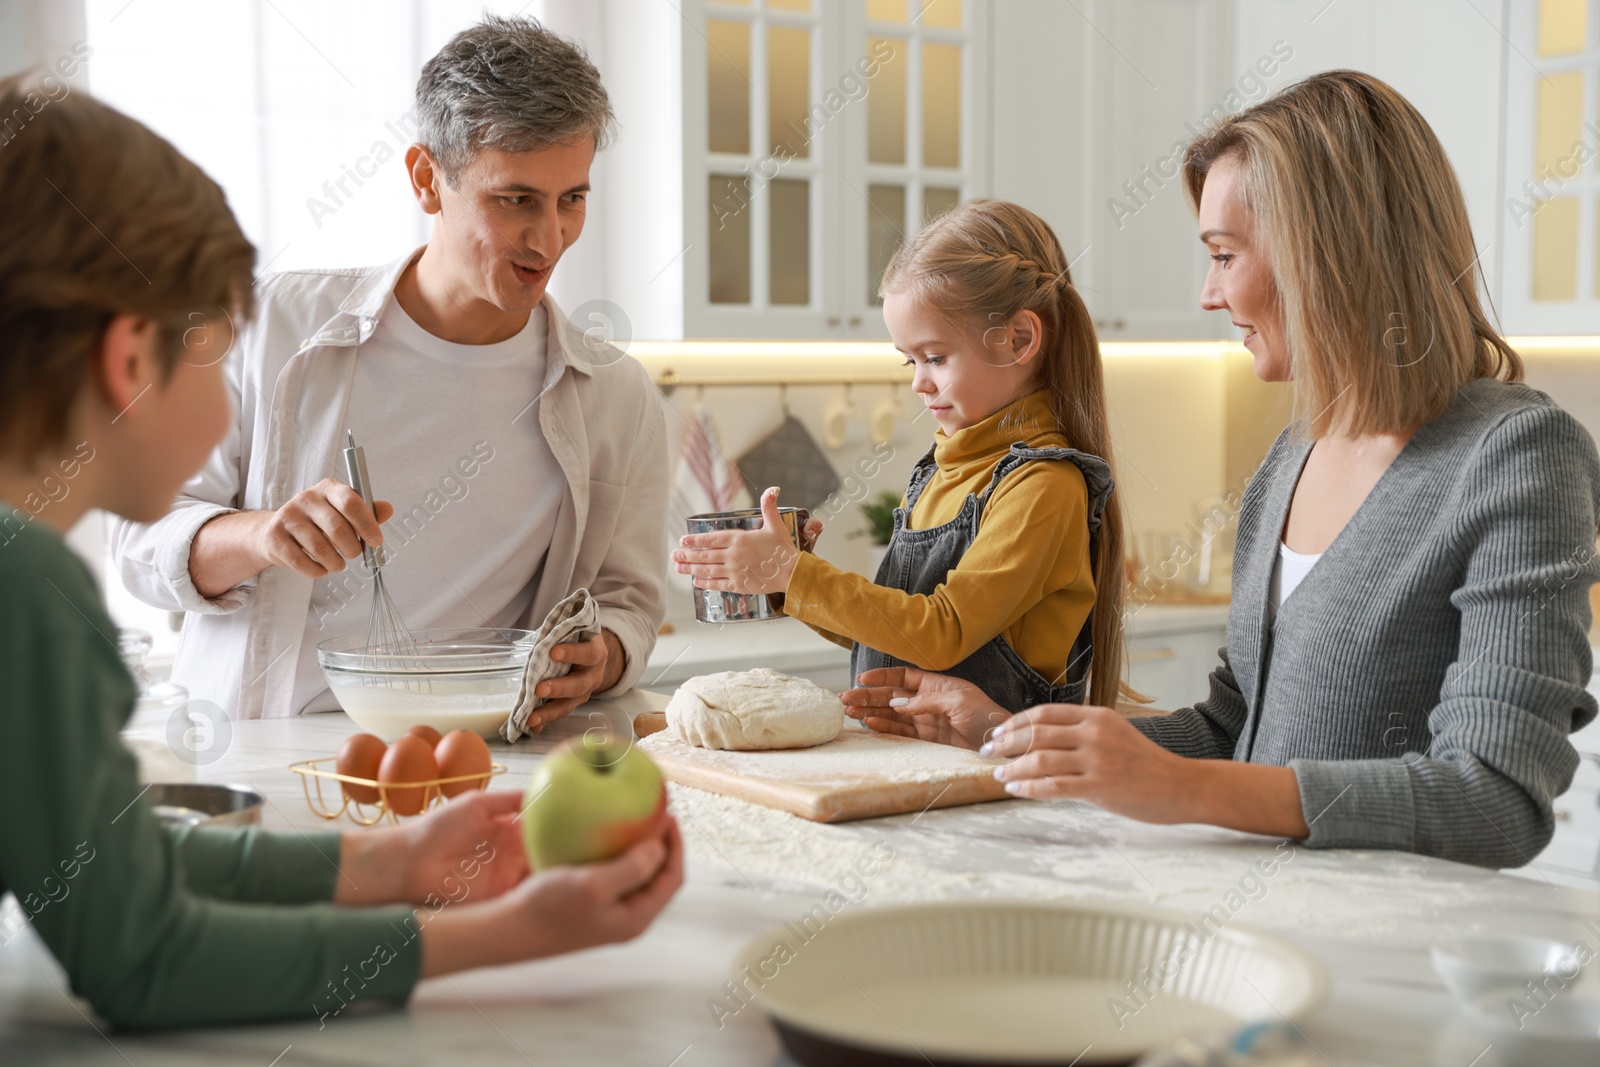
1016 982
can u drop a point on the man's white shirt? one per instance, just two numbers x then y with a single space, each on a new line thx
452 440
573 496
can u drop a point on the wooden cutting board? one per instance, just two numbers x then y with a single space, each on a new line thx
858 775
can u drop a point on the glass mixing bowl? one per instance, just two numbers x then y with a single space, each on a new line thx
458 679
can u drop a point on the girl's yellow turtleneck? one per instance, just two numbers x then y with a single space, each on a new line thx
1027 575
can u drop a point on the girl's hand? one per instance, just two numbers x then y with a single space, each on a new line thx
560 910
742 561
1094 754
924 705
810 533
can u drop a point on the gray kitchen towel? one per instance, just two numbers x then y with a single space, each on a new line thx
576 618
790 458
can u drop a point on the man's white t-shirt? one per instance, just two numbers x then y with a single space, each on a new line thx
451 434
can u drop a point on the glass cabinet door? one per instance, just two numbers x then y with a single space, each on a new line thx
827 132
916 158
758 171
1552 222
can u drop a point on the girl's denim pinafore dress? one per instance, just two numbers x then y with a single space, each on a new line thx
919 560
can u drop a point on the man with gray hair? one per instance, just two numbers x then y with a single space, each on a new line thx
519 460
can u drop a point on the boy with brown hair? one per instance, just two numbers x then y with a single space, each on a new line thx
122 276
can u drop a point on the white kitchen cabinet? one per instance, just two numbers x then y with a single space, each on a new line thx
1172 651
1093 103
775 152
1455 63
1078 111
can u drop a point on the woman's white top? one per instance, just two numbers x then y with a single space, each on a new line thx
1287 573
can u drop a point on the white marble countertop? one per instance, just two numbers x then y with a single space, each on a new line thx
1369 916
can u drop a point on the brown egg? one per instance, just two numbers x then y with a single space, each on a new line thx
427 733
359 757
462 752
408 760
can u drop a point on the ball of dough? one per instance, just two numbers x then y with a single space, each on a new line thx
752 710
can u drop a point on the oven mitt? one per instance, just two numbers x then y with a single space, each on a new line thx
576 618
791 458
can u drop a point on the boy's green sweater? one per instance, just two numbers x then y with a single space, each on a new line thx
155 927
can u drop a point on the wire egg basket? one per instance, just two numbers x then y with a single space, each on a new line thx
313 772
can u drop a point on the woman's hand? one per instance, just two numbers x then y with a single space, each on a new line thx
921 704
560 910
470 846
743 561
1094 754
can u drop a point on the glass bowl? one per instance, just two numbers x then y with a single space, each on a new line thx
458 679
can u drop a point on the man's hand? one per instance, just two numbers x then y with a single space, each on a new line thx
597 665
924 705
744 561
321 527
313 534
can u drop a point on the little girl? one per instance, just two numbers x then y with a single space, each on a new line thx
1005 564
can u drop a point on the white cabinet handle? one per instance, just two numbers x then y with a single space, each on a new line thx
1151 654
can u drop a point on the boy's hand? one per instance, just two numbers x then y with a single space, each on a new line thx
575 908
469 847
742 561
560 910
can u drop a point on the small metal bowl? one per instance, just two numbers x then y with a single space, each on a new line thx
198 804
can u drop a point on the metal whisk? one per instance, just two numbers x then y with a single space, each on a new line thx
386 630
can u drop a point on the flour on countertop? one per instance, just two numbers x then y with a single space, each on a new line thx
1068 850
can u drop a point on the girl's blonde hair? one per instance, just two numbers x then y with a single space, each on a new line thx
979 265
1365 231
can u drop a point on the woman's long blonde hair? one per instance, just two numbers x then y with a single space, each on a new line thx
1366 234
979 265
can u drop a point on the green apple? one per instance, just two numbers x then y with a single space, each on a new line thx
589 800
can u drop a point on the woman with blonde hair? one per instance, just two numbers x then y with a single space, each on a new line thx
1407 643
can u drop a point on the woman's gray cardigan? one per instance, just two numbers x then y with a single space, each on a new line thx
1423 678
